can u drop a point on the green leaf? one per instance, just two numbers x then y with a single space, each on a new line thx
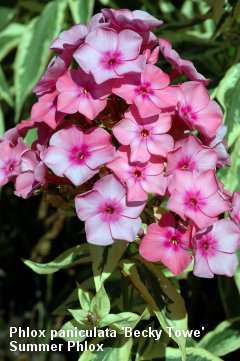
2 125
228 96
31 136
100 304
224 339
79 315
68 330
4 89
33 50
6 15
193 354
230 176
160 296
9 38
120 320
81 10
118 349
105 259
85 298
71 257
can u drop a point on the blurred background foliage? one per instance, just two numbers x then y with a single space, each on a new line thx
206 32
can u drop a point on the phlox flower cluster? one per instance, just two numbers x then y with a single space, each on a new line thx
122 136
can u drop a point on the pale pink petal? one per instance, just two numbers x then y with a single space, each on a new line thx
88 58
201 267
90 107
125 228
68 102
195 95
131 66
98 232
126 131
103 40
87 204
126 88
155 76
67 138
145 106
79 173
57 160
207 183
139 150
135 192
96 138
129 43
154 184
100 156
121 168
209 119
24 185
160 144
110 188
227 236
131 209
223 263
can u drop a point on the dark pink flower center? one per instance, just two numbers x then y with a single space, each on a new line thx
110 210
174 241
144 132
205 245
112 61
143 90
137 173
11 167
192 201
80 155
85 90
184 166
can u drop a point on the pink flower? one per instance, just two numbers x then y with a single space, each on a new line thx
197 197
80 93
168 244
145 136
32 175
107 214
214 249
77 155
148 90
197 110
45 110
140 178
10 160
71 38
137 20
192 155
57 67
109 55
181 66
235 210
220 146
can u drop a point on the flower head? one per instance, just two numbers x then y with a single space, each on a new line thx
107 214
108 55
168 244
197 197
140 178
214 249
77 155
145 136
